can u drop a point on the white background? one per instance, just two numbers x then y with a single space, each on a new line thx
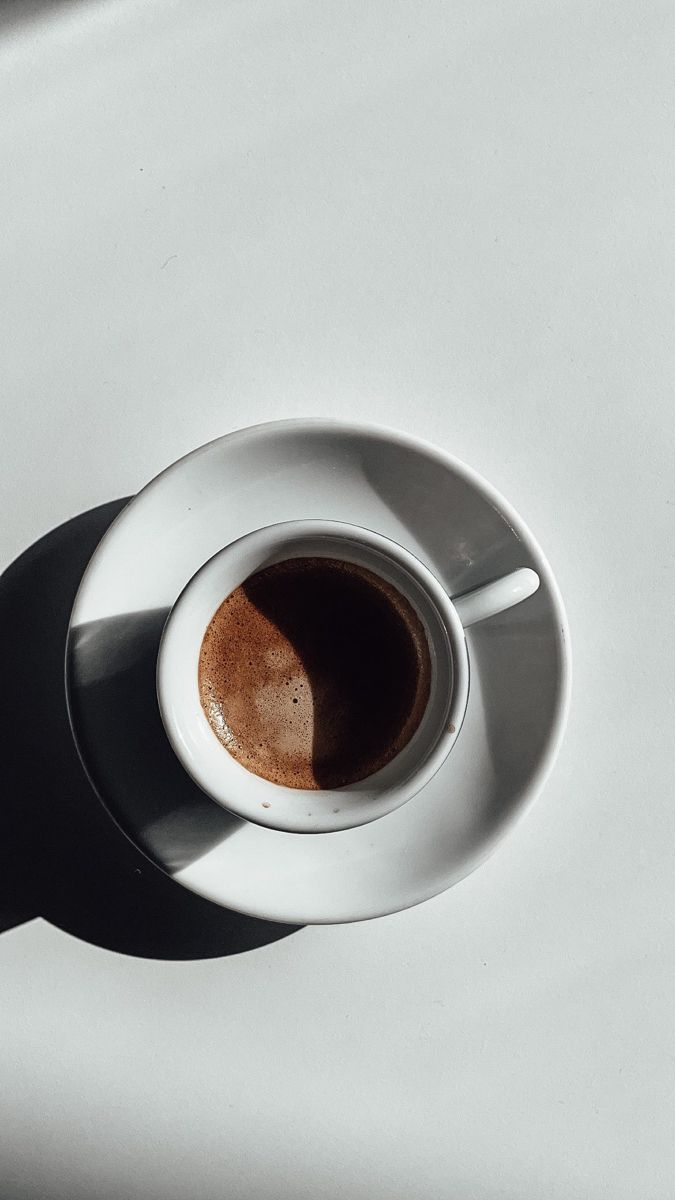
455 219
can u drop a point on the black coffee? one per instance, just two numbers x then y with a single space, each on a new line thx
314 673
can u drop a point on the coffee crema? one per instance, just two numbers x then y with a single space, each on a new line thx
314 673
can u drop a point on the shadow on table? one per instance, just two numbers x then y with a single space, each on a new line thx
63 856
15 14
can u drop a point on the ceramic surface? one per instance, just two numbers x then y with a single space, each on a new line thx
408 491
291 809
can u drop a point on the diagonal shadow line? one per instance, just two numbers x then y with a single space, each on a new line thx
63 856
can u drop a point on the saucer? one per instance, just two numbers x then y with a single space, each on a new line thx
412 493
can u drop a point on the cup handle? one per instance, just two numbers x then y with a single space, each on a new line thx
495 597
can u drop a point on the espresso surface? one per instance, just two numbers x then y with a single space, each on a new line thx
314 673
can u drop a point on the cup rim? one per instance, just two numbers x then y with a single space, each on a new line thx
362 806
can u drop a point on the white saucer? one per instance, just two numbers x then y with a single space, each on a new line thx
411 492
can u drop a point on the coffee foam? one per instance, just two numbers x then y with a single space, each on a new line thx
287 673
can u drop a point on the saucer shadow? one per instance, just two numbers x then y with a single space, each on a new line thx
65 859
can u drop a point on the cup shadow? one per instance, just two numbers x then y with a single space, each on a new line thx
111 668
516 655
65 858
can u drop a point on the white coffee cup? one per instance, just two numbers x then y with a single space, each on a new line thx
296 810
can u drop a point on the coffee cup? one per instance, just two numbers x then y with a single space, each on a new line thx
324 810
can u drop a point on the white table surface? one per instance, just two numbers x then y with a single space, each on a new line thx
455 219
